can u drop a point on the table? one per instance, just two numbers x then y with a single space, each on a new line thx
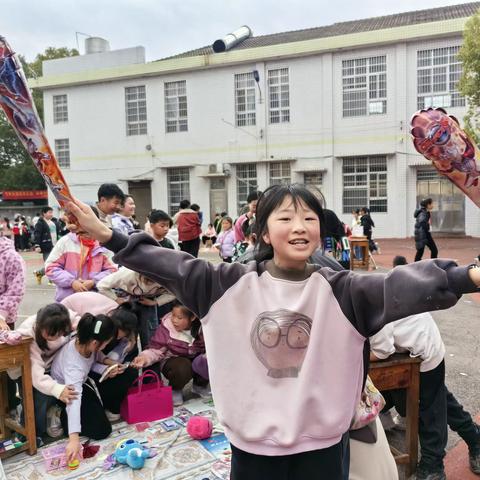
12 356
402 371
359 243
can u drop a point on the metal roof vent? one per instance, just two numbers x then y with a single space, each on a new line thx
232 39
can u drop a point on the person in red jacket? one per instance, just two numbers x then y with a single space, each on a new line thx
189 228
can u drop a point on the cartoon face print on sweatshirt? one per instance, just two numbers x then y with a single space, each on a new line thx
280 340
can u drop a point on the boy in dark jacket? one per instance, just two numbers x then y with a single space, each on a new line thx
423 237
46 234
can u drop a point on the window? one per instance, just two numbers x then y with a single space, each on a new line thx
246 183
176 107
178 187
365 183
280 173
244 99
60 109
364 83
313 179
438 73
136 110
62 152
279 95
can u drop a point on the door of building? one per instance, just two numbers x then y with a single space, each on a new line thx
448 215
218 196
141 192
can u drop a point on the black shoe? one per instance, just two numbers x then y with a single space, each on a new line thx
474 459
425 473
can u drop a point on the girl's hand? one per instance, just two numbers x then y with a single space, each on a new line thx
68 394
78 286
88 221
139 362
88 284
73 448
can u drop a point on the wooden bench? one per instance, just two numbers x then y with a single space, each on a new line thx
402 371
12 356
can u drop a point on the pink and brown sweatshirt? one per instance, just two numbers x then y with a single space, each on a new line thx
12 281
286 350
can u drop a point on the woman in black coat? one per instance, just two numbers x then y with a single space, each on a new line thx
423 237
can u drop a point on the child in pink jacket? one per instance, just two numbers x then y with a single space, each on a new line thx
178 347
12 283
226 240
76 264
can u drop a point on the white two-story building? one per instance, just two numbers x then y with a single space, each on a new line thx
327 106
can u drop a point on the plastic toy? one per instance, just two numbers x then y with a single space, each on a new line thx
130 452
55 458
439 138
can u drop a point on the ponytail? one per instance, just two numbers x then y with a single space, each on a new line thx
95 327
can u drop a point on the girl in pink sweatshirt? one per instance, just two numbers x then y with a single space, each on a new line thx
178 348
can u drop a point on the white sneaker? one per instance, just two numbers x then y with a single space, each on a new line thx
203 392
177 397
112 417
54 425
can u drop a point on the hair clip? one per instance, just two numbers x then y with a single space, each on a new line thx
97 328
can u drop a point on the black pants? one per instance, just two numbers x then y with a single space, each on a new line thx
44 256
325 464
95 424
431 245
438 408
191 246
114 390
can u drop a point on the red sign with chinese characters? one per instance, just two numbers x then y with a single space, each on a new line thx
25 195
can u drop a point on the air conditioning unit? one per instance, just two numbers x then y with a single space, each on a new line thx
213 168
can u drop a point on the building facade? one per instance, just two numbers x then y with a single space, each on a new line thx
329 107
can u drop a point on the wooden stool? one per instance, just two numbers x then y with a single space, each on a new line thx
357 243
12 356
402 371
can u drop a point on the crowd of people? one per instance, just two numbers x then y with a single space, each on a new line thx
286 329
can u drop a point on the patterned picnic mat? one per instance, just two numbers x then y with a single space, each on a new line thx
178 456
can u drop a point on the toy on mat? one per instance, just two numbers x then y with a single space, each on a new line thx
129 452
56 458
439 138
199 427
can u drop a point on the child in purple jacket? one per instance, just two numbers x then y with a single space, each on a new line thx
178 347
226 240
12 283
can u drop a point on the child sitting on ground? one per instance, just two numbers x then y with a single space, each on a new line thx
85 414
210 235
114 387
178 347
419 335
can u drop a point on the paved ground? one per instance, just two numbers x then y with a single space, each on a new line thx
460 327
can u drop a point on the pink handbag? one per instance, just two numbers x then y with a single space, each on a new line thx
147 402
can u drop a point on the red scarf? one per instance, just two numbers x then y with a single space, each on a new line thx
86 247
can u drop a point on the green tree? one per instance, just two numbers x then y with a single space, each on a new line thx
470 81
17 171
